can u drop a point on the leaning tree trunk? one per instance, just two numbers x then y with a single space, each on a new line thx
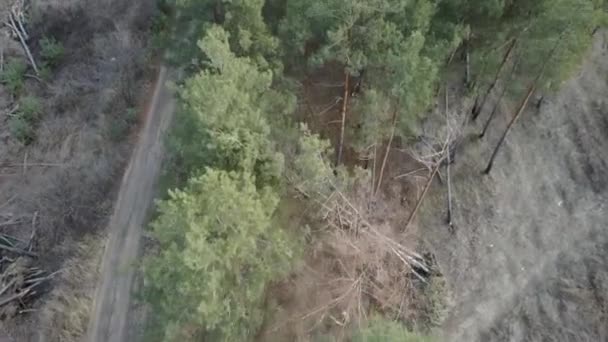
523 104
388 149
477 109
427 186
344 109
497 104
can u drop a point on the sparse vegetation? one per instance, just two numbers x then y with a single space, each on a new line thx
59 168
23 122
30 108
21 129
118 127
13 75
51 51
383 330
65 315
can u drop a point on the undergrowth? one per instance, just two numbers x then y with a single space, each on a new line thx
13 75
66 313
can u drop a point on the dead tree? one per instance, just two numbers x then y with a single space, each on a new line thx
356 88
522 106
388 150
477 109
15 23
449 161
498 102
20 284
343 121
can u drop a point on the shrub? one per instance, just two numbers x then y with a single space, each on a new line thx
51 51
118 128
30 109
219 250
13 75
21 129
383 330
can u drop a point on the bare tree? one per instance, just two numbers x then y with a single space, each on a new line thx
524 103
477 109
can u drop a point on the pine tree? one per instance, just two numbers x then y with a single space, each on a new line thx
249 35
218 251
224 119
390 39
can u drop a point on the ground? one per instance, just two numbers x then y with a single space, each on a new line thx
109 320
68 176
527 260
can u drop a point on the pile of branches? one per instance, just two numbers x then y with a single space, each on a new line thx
359 261
15 21
370 266
20 285
20 281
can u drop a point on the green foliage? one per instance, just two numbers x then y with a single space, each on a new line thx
550 35
23 122
225 111
380 329
243 19
218 252
21 129
51 51
436 298
312 172
118 127
557 39
30 108
13 75
383 330
391 39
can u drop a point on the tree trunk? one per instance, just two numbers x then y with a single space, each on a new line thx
487 124
524 103
468 64
447 122
421 198
344 109
522 106
388 149
477 110
449 218
502 94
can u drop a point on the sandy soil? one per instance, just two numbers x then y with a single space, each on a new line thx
528 259
109 319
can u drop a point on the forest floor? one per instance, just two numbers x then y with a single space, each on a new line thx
109 321
528 257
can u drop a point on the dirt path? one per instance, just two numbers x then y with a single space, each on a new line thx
108 322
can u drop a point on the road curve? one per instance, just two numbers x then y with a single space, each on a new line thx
108 322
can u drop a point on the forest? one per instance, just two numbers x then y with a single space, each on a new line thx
290 210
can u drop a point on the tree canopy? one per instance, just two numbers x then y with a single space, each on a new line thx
225 111
249 35
236 142
219 249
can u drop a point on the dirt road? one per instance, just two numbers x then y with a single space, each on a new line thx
108 321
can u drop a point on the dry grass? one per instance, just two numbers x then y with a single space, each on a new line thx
359 262
100 77
65 314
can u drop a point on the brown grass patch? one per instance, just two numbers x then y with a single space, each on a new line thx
65 314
